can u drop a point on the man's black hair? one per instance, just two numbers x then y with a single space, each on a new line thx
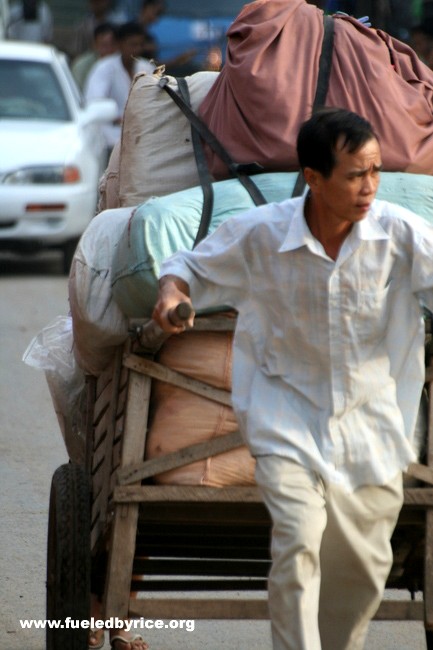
103 28
318 137
131 28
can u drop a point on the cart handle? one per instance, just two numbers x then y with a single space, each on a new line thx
150 335
178 315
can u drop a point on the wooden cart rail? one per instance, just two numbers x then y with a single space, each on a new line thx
212 542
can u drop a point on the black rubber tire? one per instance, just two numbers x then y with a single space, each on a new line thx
429 639
68 558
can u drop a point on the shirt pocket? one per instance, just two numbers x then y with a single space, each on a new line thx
284 350
371 316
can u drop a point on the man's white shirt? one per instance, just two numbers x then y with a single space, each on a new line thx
328 362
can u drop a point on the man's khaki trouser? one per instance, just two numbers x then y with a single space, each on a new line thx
331 555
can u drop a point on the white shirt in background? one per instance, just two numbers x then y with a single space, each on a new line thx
109 79
36 31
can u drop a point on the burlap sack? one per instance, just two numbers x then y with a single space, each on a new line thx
179 418
109 182
156 155
98 324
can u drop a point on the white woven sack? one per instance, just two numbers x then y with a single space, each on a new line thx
109 182
98 325
157 156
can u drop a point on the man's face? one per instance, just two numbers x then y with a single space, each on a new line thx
105 44
132 47
347 194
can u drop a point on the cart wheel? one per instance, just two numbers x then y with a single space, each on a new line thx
68 558
429 639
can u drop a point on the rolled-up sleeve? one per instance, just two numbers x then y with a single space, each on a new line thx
216 270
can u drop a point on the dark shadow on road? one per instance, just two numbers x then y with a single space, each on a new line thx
44 263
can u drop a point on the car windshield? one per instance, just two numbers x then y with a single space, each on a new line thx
30 90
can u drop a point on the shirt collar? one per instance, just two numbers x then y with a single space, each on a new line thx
299 234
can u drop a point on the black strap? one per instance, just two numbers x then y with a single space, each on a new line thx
241 171
325 65
203 171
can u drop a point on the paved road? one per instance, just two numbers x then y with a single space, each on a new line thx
31 295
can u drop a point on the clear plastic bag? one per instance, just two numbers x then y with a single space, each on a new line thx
52 351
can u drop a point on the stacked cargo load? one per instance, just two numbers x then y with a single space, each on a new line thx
157 196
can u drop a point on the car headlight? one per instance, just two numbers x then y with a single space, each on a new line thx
49 175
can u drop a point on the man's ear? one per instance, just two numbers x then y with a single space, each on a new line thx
312 177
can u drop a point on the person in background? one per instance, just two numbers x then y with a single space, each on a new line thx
104 44
30 20
111 77
328 371
421 41
147 13
100 12
421 36
150 12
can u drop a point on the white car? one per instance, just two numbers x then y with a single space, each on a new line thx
52 152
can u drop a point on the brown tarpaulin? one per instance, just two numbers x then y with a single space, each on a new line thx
267 87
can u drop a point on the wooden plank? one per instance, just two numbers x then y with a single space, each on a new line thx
98 526
422 497
198 608
101 432
100 452
420 472
428 570
158 371
104 379
185 493
411 517
124 526
176 585
97 484
185 456
400 610
245 548
234 513
102 403
202 567
88 421
108 443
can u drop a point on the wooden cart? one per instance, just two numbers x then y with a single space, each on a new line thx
178 552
